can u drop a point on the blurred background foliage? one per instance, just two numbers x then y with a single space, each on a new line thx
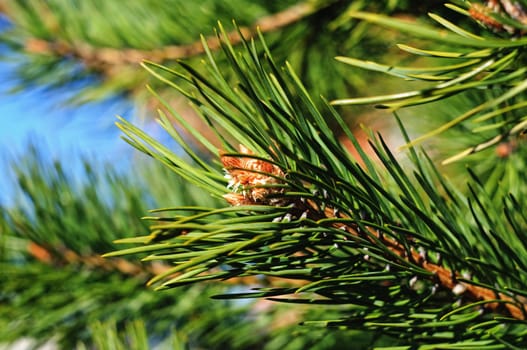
56 288
61 41
54 285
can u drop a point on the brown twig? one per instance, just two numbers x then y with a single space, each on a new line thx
246 176
49 255
65 256
444 277
103 58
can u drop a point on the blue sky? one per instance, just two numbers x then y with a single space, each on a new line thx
40 116
70 133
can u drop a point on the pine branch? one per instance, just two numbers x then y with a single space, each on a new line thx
247 174
489 64
73 33
59 257
107 59
410 256
445 278
67 256
84 291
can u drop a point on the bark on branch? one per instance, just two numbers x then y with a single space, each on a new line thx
104 59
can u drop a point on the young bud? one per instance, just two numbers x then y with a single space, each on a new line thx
252 181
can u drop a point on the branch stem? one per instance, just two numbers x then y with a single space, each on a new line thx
446 278
104 58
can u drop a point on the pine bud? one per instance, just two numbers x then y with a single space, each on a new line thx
252 181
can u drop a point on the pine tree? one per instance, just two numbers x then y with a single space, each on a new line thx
364 248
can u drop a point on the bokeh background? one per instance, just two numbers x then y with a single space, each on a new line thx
69 186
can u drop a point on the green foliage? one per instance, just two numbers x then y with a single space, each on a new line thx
57 288
107 336
372 251
110 40
83 28
349 233
490 62
51 241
